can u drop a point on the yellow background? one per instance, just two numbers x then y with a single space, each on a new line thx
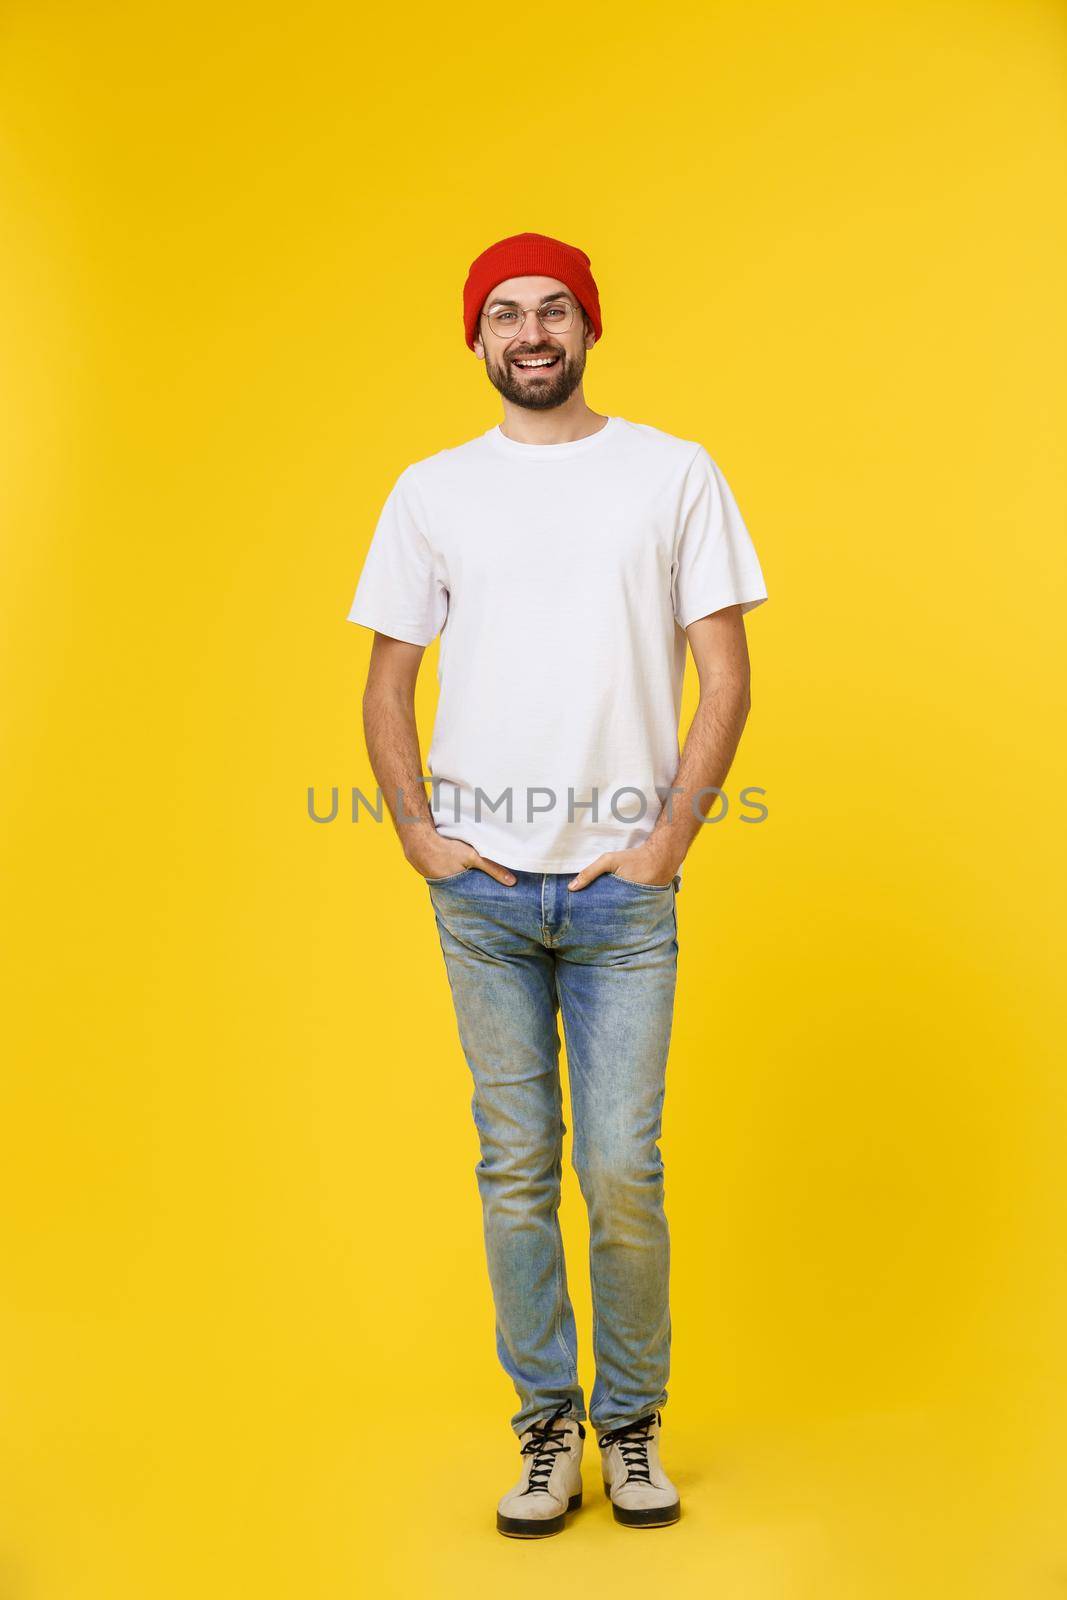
247 1340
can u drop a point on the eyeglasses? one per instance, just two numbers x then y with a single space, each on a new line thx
556 316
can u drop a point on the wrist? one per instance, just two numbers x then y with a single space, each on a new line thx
666 854
414 835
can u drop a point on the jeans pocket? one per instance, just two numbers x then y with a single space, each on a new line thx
451 877
646 888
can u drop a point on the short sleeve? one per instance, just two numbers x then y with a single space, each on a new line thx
400 590
715 562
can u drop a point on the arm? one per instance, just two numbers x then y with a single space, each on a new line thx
392 737
720 650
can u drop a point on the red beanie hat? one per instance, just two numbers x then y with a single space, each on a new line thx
528 255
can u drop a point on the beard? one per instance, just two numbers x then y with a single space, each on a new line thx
541 389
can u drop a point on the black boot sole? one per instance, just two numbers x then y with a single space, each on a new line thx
539 1527
645 1517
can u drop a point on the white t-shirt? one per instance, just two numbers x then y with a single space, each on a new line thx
560 578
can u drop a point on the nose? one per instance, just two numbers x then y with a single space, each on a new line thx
536 338
537 333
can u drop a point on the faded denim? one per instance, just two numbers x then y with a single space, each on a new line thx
605 957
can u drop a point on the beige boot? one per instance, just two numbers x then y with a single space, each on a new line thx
551 1482
640 1492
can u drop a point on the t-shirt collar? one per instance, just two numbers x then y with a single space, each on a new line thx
551 452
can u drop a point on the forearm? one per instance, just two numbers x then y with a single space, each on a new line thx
710 746
392 737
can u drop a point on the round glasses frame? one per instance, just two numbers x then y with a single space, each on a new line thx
555 326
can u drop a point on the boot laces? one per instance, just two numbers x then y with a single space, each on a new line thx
545 1445
632 1440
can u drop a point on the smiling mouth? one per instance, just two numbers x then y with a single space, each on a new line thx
535 363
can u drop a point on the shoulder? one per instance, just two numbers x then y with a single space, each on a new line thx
679 453
445 466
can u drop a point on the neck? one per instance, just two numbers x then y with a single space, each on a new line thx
562 425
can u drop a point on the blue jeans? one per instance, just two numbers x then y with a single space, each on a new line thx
606 957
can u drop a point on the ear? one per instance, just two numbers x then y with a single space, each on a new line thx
590 334
479 347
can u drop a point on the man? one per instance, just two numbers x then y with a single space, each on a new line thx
565 558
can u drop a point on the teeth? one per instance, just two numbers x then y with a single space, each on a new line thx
542 361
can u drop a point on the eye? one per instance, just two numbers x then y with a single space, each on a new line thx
555 313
